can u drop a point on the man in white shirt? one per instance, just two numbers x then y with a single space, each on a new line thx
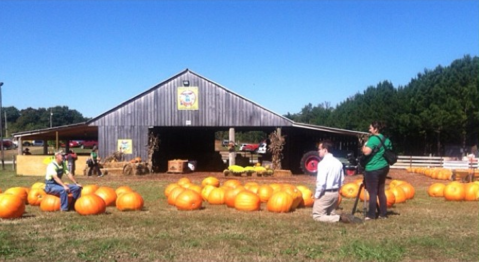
330 178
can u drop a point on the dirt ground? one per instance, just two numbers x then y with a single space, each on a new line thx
416 180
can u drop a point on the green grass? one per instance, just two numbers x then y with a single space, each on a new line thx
422 229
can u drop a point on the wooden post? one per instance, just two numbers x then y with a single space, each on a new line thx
232 153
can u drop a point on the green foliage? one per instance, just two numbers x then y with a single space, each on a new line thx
435 109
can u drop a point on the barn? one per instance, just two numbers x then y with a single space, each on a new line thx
184 113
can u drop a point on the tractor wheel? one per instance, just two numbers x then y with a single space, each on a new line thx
309 163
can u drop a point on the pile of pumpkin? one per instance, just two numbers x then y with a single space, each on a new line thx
398 191
279 198
93 200
455 191
248 170
436 173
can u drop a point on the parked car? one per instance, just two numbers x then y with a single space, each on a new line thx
226 143
37 143
72 143
89 143
263 148
249 147
8 144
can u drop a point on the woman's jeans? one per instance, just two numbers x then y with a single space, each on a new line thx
56 189
375 184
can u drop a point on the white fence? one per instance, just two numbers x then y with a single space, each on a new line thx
432 161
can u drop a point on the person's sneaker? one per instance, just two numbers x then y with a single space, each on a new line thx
367 219
101 175
381 217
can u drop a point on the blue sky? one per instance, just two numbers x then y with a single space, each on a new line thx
94 55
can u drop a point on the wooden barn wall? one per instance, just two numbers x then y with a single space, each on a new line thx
109 136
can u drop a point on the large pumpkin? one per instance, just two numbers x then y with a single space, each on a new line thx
232 183
408 190
89 189
217 196
38 185
307 195
436 190
108 194
247 201
230 195
280 202
184 180
390 198
11 206
123 189
35 196
206 191
295 194
130 201
169 188
454 191
50 203
265 192
472 192
90 204
189 200
399 194
210 181
349 190
21 192
174 194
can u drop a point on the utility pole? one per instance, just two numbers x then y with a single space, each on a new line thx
1 128
6 126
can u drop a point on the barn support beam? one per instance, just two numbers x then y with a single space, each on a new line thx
232 153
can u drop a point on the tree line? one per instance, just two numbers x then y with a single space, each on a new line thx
437 109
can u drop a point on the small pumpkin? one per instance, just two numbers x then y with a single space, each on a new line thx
349 190
90 204
130 201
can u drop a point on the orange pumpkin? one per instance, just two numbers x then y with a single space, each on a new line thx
276 187
408 190
35 196
130 201
206 191
174 194
436 190
364 194
21 192
390 198
123 189
211 181
280 202
230 195
307 196
295 194
247 201
189 200
108 194
217 196
454 191
349 190
50 203
265 192
90 204
89 189
472 192
399 194
11 206
233 183
196 188
183 180
169 188
38 185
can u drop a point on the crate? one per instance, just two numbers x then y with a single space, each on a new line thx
177 166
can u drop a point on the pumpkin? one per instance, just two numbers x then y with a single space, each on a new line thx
307 196
35 196
108 194
359 182
276 187
130 201
50 203
21 192
11 206
89 189
183 180
196 188
232 183
189 200
399 194
472 192
280 202
173 194
396 182
90 204
206 191
217 196
436 190
390 198
408 189
295 194
230 195
454 191
123 189
265 192
38 185
247 201
169 188
364 195
211 181
349 190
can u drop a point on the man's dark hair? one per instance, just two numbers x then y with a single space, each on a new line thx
327 144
